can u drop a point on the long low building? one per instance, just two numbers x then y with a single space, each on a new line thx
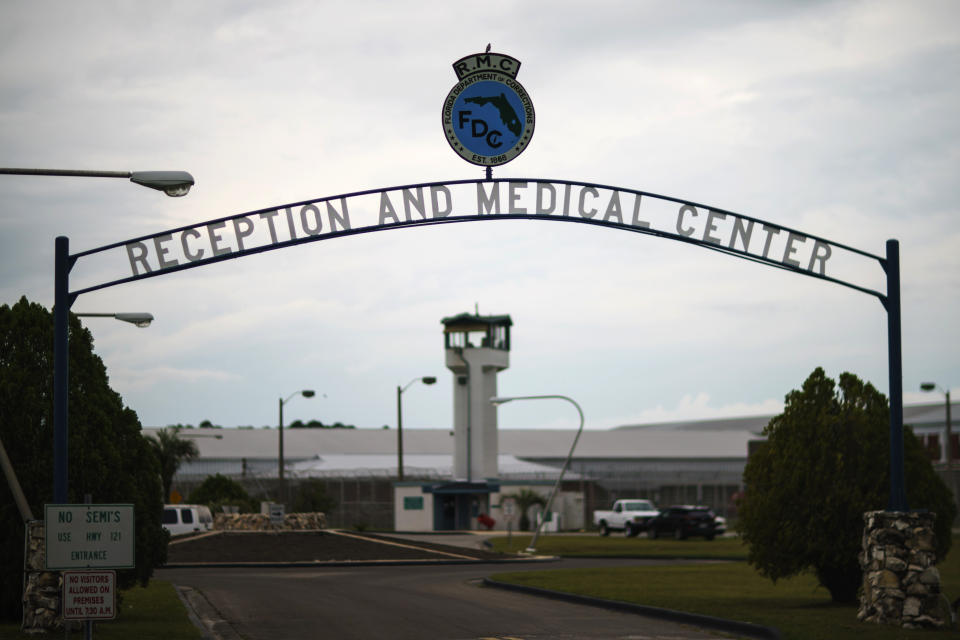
668 466
698 462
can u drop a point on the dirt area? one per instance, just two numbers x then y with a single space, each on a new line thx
311 546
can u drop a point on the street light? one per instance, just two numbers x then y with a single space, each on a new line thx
140 319
932 386
306 393
172 183
428 380
498 400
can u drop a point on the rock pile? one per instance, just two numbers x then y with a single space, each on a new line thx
261 522
901 585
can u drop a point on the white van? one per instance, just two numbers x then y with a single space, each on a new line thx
180 519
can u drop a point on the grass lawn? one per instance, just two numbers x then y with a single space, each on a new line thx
151 613
798 607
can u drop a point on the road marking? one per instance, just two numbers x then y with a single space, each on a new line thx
178 540
399 544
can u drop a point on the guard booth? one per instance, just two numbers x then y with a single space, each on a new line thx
457 505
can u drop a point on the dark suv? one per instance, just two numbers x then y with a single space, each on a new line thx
682 521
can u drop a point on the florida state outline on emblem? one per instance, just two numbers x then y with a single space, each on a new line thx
488 116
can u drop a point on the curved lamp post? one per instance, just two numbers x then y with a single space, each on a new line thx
139 319
306 393
428 380
173 183
932 386
498 400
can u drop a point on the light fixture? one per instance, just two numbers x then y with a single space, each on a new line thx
173 183
139 319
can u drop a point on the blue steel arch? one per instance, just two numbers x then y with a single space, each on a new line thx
64 298
477 215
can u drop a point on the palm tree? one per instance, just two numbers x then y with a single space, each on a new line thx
171 451
525 499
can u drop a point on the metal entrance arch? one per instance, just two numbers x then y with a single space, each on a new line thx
435 203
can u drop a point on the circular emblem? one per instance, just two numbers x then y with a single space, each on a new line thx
488 118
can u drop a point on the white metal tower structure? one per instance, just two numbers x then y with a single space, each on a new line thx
477 348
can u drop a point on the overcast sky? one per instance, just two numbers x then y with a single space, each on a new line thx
835 118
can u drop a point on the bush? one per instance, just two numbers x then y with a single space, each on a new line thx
218 490
526 498
825 462
311 496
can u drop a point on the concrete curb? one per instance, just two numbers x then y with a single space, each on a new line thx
655 557
350 563
205 616
708 622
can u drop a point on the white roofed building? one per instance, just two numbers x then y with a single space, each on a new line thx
665 465
684 462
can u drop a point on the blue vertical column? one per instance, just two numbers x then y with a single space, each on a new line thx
898 491
61 360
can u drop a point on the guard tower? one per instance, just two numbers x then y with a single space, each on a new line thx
477 349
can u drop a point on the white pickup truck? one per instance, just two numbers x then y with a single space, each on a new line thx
630 516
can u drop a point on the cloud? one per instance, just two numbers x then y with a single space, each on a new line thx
152 377
830 117
699 407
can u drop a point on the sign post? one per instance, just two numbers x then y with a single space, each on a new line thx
509 507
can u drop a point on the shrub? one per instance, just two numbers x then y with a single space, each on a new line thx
824 463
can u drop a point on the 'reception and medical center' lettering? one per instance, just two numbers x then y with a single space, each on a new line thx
224 237
259 231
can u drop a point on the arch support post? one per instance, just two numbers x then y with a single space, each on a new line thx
898 491
61 359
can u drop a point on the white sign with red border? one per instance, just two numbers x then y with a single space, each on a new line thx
89 595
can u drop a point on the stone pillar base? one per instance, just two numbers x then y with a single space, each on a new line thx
901 585
41 593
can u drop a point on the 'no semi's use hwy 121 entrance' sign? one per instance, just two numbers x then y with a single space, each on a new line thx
488 116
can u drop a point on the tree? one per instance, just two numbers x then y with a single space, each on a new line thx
526 498
316 424
311 497
218 490
109 458
824 463
171 451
